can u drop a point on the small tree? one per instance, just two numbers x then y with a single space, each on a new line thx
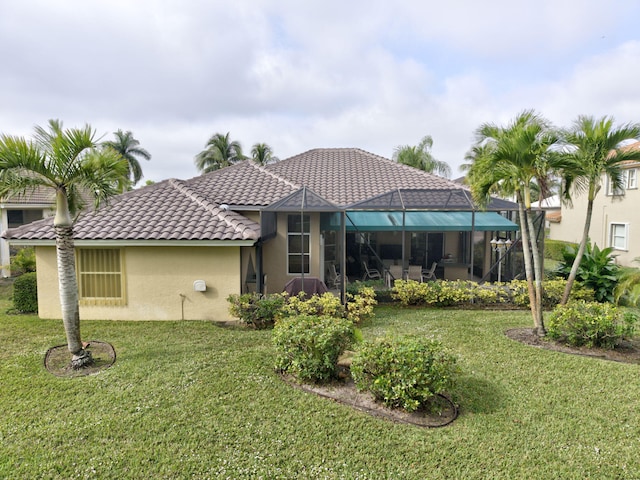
69 162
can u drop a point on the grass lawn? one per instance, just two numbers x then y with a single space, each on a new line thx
194 400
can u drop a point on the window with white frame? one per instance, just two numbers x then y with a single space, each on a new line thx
632 178
100 276
298 235
619 235
615 191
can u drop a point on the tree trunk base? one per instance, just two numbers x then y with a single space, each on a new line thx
81 360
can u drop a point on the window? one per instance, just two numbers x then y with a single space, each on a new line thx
632 178
619 234
615 191
298 234
100 276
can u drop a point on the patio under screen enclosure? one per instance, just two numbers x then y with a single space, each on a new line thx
401 229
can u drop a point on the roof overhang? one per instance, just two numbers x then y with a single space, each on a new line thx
139 243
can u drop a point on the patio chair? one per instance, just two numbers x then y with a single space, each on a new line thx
415 273
394 272
334 277
370 273
431 273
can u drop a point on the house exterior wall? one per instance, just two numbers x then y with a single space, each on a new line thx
607 210
156 277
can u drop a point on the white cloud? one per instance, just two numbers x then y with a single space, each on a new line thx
300 75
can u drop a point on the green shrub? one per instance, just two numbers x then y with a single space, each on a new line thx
326 304
404 373
256 310
553 249
590 324
24 261
25 293
360 306
597 270
308 346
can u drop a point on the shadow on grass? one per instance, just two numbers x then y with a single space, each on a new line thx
476 395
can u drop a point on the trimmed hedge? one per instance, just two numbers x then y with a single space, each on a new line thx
25 293
461 293
553 249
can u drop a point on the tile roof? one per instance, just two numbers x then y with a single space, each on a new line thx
39 196
208 207
243 184
168 210
349 175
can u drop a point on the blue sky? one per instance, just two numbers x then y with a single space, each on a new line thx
301 75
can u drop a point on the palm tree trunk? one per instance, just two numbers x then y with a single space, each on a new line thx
576 261
68 286
533 302
537 274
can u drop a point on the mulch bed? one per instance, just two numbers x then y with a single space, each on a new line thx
344 391
627 352
57 360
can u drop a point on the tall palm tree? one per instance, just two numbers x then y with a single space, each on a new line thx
262 154
420 157
508 160
70 163
129 148
594 147
220 152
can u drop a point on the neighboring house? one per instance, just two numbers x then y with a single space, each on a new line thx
615 221
177 249
553 211
20 210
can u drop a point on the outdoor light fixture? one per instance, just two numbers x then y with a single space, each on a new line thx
500 246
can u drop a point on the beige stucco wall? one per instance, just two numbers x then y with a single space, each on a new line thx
607 209
159 284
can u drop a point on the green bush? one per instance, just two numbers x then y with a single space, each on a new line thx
443 293
308 346
404 373
553 249
25 293
597 270
590 324
256 310
24 261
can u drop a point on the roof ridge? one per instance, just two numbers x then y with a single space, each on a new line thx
211 207
273 175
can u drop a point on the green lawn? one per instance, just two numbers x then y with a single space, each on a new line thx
194 400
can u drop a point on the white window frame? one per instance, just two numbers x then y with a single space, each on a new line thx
610 191
615 233
294 236
632 178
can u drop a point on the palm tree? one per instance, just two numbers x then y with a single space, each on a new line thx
508 160
262 154
129 148
220 152
420 157
594 147
71 164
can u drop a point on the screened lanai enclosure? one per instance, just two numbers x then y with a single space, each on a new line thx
405 233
